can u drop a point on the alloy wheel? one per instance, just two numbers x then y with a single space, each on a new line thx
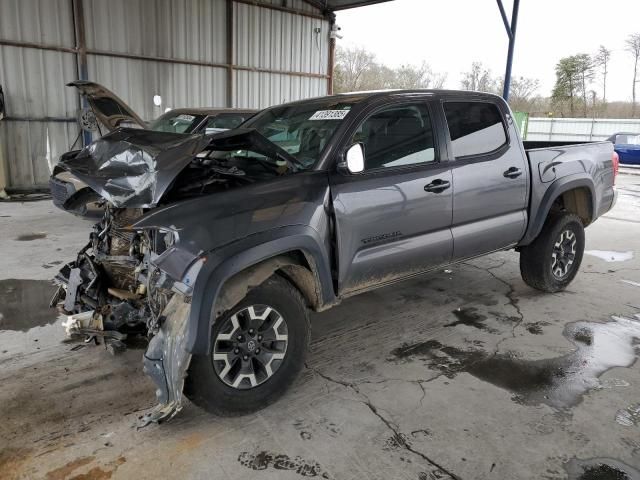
563 254
250 346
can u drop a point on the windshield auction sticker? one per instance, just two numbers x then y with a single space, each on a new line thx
329 115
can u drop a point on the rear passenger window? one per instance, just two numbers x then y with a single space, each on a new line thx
475 127
397 136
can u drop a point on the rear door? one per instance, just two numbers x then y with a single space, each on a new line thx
393 219
490 175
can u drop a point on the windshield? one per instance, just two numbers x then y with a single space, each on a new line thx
302 130
176 123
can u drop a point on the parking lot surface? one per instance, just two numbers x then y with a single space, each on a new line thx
462 373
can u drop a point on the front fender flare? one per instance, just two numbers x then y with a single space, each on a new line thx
227 261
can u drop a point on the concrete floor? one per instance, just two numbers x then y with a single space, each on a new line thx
466 373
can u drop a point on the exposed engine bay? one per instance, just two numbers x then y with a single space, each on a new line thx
112 278
113 294
117 289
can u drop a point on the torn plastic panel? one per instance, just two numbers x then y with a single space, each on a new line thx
166 361
132 167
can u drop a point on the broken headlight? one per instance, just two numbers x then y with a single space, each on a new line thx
162 240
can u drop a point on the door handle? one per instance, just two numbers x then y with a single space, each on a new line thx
437 186
513 172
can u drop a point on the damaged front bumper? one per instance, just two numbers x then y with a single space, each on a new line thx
166 360
93 306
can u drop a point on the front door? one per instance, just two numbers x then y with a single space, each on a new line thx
393 219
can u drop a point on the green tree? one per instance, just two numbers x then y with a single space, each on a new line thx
573 76
567 82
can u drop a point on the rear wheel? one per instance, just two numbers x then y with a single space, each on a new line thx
258 349
552 260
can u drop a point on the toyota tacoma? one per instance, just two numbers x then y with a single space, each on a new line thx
216 247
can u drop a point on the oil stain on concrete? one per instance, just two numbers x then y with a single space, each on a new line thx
27 237
24 304
600 469
278 461
535 328
558 382
470 317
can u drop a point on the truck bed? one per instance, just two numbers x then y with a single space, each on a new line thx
559 165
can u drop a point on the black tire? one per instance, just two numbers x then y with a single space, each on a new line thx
537 262
204 386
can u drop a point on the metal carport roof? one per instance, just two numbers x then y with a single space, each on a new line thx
510 26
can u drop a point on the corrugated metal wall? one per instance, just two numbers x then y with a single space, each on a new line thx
180 29
578 129
140 48
35 131
270 39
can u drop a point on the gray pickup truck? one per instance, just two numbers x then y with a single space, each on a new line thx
216 247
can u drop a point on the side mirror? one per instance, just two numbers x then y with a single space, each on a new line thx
354 159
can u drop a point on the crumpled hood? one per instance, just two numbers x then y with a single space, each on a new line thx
132 167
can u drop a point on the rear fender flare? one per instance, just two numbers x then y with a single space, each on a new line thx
555 190
268 251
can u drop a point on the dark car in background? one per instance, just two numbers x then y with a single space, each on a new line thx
627 146
112 113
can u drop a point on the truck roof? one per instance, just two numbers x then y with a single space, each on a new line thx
210 111
357 97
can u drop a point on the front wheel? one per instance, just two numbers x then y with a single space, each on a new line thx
258 349
552 260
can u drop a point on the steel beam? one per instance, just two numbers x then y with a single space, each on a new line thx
151 58
40 119
230 55
293 11
332 56
511 33
81 54
38 46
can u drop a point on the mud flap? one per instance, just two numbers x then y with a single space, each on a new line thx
166 361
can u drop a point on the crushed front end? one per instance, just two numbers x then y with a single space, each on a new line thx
135 276
114 292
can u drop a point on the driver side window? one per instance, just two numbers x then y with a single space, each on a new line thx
397 136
